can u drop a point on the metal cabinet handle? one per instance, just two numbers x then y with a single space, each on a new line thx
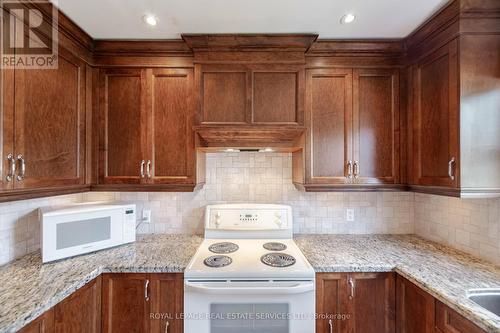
142 168
330 323
21 174
12 168
356 169
148 169
167 324
351 284
451 165
349 169
146 290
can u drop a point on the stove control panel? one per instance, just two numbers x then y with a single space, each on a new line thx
248 217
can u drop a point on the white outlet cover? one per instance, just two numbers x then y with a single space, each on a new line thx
349 214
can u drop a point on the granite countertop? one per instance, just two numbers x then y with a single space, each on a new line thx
28 288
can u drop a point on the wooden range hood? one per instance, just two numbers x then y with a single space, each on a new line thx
250 89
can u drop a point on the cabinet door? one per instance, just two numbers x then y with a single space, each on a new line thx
376 126
415 308
49 124
123 120
170 126
449 321
372 301
6 122
224 93
81 311
435 119
331 303
125 303
42 324
329 125
167 299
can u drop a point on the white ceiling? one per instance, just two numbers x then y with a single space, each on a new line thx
122 19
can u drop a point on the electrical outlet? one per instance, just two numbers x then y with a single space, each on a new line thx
349 214
146 215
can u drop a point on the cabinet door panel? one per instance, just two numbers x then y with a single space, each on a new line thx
330 302
277 96
81 311
372 305
171 123
224 95
329 123
436 118
50 123
6 120
123 118
124 305
42 324
415 308
167 298
376 125
449 321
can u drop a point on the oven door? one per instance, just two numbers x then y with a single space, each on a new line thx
266 306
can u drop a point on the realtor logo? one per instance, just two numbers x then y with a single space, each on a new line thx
29 38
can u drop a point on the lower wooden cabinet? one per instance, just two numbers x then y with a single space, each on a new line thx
142 303
355 303
448 321
415 308
81 311
43 324
78 313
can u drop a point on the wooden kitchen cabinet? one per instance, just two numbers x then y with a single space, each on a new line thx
355 302
415 308
123 126
43 324
449 321
376 141
245 94
352 120
329 126
81 311
146 136
435 118
126 303
167 303
142 302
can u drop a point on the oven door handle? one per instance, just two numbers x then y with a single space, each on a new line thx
235 288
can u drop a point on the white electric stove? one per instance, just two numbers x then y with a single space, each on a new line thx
248 275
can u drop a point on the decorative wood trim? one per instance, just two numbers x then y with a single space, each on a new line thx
248 135
141 47
357 48
439 190
350 187
14 195
249 42
147 187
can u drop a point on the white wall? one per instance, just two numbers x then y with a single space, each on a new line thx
255 177
470 225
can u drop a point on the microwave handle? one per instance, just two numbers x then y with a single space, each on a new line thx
236 288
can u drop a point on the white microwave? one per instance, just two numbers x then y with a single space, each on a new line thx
84 228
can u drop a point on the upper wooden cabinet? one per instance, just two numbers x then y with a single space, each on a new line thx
355 302
146 136
376 126
243 94
123 122
44 128
435 118
352 121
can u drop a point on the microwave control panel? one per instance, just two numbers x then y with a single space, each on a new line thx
129 224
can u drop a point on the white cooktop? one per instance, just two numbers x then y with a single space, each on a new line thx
246 262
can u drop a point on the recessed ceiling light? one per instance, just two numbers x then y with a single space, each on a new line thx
150 19
347 18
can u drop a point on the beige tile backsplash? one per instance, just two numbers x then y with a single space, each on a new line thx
266 178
